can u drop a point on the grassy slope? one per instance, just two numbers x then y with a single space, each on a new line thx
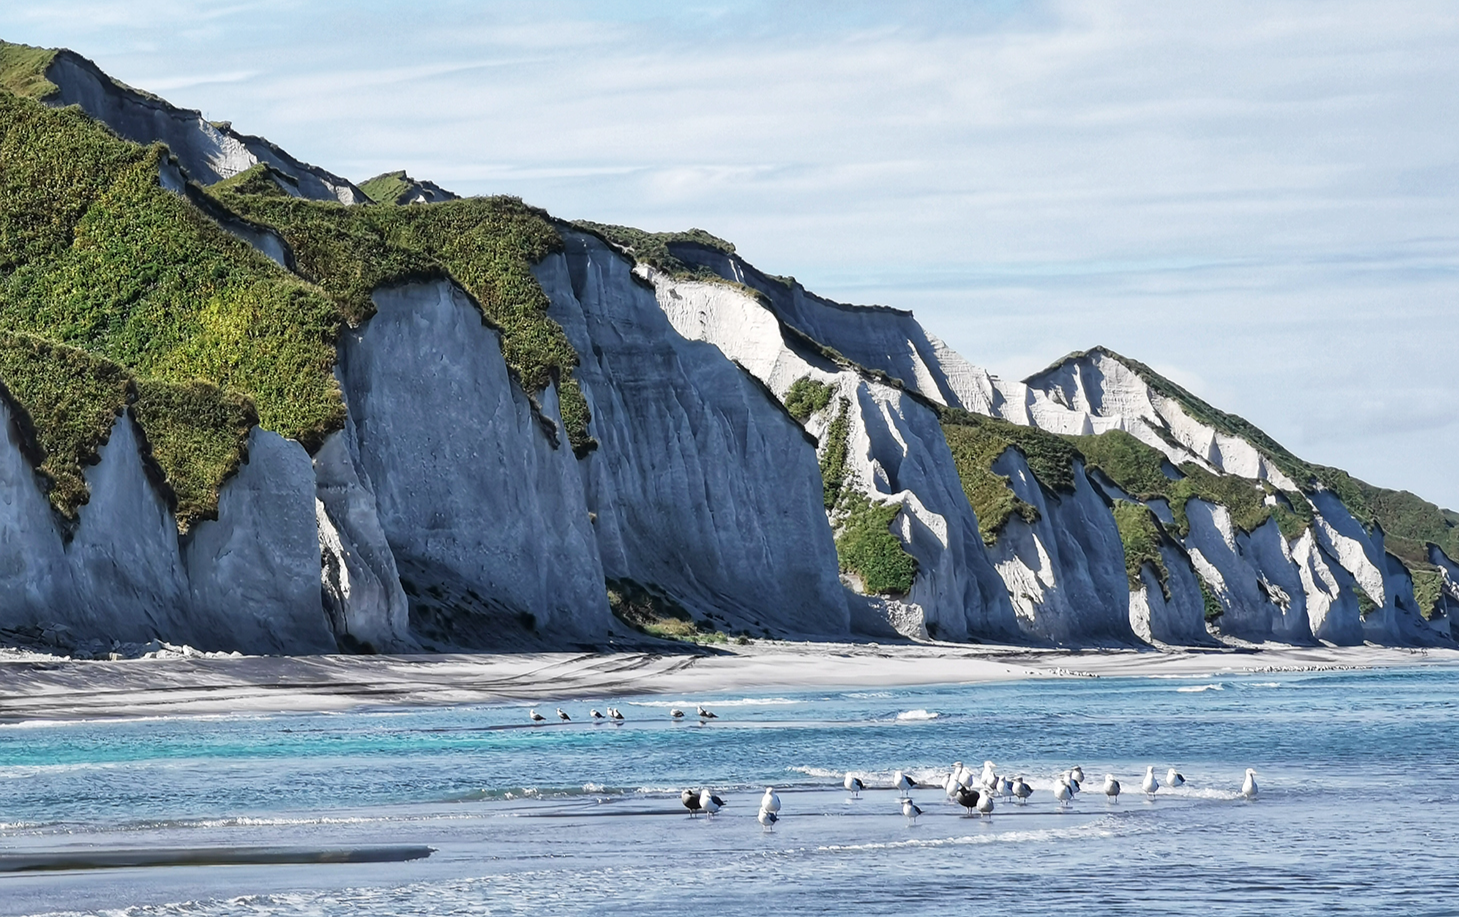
386 188
977 441
1140 535
487 245
95 255
23 70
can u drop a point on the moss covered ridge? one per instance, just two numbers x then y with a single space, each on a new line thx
23 70
97 258
485 245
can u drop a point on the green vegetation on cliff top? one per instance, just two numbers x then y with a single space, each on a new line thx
97 256
487 245
652 248
23 70
387 188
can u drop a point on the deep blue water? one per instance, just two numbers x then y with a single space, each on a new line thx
1359 776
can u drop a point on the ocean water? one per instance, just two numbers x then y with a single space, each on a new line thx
1358 810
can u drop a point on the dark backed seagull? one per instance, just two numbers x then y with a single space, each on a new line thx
771 801
705 714
1248 788
967 798
904 783
1150 784
767 819
676 713
1021 790
1111 788
910 809
1174 778
536 717
563 716
1073 782
1063 792
615 713
709 802
853 785
595 714
690 799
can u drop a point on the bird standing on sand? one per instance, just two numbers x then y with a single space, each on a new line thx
904 783
767 819
563 716
690 799
771 800
985 805
676 713
595 714
709 802
705 714
1111 788
1248 788
1174 778
967 798
911 810
536 717
1151 784
1063 793
853 785
1021 790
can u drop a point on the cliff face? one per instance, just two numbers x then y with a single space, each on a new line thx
763 458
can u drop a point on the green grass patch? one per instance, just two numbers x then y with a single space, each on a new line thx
486 245
833 454
197 434
23 70
652 248
95 255
387 188
806 397
1213 609
1366 605
1140 534
1428 591
976 443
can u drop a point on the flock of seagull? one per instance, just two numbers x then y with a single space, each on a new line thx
974 792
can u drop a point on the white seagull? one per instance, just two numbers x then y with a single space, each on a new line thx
767 819
985 805
965 777
1063 793
709 802
771 801
989 779
904 783
563 716
910 809
853 785
1174 778
1151 784
1248 788
952 780
1111 788
536 717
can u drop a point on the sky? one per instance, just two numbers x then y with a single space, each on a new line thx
1256 199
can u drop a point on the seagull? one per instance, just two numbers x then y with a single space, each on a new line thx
676 713
904 783
1077 773
910 809
985 805
690 799
615 713
853 785
1005 788
771 801
967 798
1151 784
595 714
1174 778
1248 788
1063 793
706 715
965 776
1022 790
1111 788
1073 782
709 802
563 716
990 779
952 780
767 819
536 717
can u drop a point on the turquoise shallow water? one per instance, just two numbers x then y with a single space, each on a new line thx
1357 811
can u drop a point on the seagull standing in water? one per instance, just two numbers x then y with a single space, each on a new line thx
771 801
967 798
985 805
1005 788
1174 778
904 784
690 799
1063 793
1111 788
853 785
563 716
767 819
536 717
1021 790
709 802
615 713
952 783
705 714
1151 784
990 779
1248 788
1073 782
595 714
910 809
676 713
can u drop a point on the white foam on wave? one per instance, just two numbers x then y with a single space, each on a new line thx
1197 689
918 715
1092 829
817 772
868 695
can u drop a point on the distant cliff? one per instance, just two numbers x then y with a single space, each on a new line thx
251 406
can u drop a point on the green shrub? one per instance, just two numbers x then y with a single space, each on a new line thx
487 245
807 396
976 442
1213 609
833 454
1140 535
197 434
866 547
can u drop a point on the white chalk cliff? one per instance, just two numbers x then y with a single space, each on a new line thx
451 512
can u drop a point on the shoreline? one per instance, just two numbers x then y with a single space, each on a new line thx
34 690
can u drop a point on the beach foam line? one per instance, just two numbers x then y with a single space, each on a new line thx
915 715
1197 689
55 860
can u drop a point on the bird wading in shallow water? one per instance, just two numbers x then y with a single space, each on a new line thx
967 798
536 717
1111 788
771 800
676 713
705 714
767 820
1248 787
1077 773
910 809
690 799
1021 790
710 803
563 716
853 785
1063 793
903 783
595 714
1174 778
1150 785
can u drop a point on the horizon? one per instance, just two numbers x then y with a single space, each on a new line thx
1269 232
